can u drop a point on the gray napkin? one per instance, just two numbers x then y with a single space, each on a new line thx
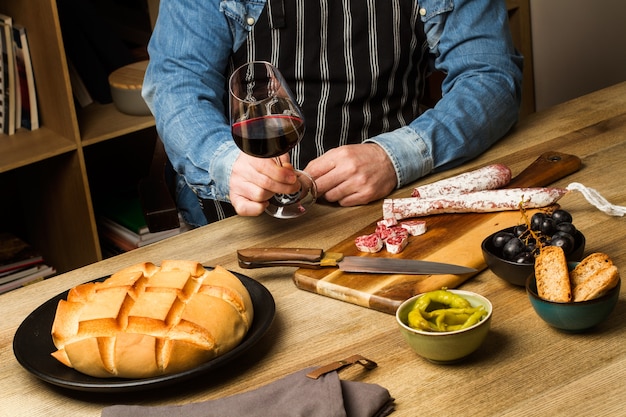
292 396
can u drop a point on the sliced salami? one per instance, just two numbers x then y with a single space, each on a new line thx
369 243
396 244
414 227
387 222
474 202
489 177
383 232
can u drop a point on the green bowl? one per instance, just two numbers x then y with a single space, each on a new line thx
445 347
573 317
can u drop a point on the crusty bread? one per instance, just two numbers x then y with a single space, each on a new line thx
552 275
593 277
147 320
589 266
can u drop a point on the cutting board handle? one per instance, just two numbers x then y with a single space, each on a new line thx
548 168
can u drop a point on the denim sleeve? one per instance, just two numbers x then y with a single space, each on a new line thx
185 86
471 43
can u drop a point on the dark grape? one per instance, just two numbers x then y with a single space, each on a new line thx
565 241
547 226
500 238
524 258
531 246
566 227
537 220
520 229
512 248
561 216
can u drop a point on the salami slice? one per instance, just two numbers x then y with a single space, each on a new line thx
489 177
396 244
383 232
414 227
369 243
387 222
474 202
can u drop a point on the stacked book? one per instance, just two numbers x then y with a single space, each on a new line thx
18 96
20 263
122 227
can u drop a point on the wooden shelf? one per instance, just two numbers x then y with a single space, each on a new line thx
102 122
44 173
26 147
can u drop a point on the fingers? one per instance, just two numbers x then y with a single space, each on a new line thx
353 174
245 207
255 180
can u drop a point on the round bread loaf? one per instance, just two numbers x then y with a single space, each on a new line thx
147 320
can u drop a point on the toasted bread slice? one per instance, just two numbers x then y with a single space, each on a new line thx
553 282
593 277
588 267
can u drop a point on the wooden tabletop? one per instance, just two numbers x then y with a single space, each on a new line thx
524 367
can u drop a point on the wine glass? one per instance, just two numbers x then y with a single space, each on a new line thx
266 122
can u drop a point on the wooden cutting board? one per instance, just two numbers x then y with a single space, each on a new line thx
451 238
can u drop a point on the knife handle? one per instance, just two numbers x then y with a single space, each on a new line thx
262 257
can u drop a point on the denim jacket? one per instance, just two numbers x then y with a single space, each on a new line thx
184 87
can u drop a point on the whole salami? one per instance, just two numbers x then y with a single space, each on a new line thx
489 177
474 202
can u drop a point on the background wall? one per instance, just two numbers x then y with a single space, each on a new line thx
579 46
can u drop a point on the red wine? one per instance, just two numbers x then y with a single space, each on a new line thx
268 136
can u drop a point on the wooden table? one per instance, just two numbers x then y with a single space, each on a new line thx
524 367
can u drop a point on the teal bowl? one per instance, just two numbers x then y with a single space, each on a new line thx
573 317
445 347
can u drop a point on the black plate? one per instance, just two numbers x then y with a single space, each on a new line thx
32 346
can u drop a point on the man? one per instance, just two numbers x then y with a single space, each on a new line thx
357 68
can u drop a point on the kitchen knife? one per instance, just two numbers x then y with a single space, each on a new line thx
317 258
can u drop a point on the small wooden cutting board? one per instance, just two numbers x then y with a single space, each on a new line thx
451 238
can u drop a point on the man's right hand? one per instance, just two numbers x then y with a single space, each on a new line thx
254 181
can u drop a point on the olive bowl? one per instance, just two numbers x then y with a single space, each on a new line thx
445 347
575 316
518 273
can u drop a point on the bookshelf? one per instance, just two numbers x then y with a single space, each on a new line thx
44 174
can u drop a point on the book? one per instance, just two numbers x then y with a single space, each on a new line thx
17 273
135 240
15 253
126 211
8 78
79 89
42 272
26 76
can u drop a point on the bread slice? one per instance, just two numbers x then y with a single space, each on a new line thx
589 266
593 277
552 275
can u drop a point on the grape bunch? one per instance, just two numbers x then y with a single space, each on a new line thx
524 242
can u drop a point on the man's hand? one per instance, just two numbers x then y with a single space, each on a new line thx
353 174
255 180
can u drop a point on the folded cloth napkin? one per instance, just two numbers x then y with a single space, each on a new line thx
291 396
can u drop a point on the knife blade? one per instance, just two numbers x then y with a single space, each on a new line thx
317 258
